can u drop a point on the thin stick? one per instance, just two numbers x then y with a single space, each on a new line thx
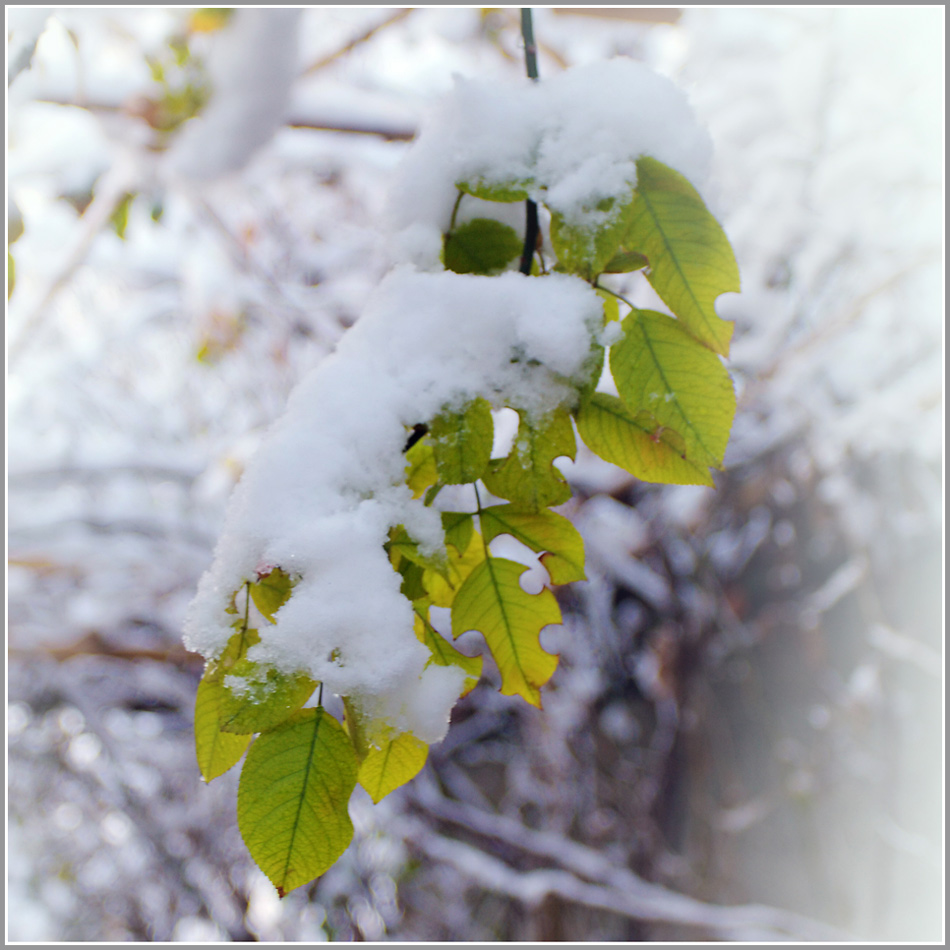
532 228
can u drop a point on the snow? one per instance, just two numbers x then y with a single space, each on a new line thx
571 140
320 496
251 68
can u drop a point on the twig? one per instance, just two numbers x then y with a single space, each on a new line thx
532 228
607 888
356 41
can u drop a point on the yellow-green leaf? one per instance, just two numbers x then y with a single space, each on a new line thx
458 527
527 477
586 248
691 261
541 531
443 653
441 585
624 262
462 442
391 764
292 798
257 699
215 750
610 431
493 602
271 591
661 369
506 191
480 246
420 467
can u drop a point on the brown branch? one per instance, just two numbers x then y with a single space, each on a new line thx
94 645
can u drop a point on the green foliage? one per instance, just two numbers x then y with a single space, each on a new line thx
391 764
669 423
662 371
480 246
691 262
527 476
462 442
295 785
493 602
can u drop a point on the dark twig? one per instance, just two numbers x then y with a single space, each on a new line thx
531 229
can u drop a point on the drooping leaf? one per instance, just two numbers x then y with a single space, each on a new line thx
691 261
493 602
462 442
216 751
271 591
586 248
480 246
541 531
443 652
658 367
527 477
292 798
392 763
610 431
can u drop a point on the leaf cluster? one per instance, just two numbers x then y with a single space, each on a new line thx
668 420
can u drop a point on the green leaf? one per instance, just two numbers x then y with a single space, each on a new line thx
611 305
492 601
543 531
588 247
256 699
462 442
658 367
440 585
443 653
624 262
507 192
527 477
391 764
691 261
610 431
292 798
458 527
271 591
120 215
420 468
215 750
481 246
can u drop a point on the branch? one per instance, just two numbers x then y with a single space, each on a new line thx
356 41
590 879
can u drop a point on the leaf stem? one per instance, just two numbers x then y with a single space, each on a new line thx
532 228
613 293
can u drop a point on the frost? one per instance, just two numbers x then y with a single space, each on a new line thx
575 138
321 495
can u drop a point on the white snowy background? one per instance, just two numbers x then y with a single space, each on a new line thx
748 714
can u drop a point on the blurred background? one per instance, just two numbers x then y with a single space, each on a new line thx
744 738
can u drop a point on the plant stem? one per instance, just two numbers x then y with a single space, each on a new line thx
613 293
530 50
532 228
